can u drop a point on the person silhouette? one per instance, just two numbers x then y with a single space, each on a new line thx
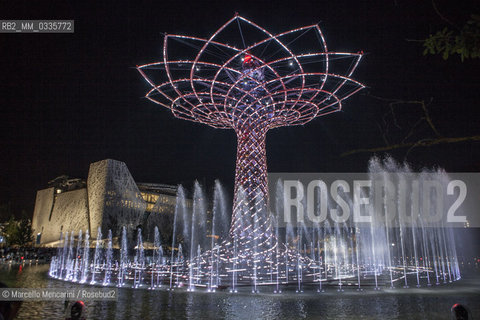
76 311
459 312
8 309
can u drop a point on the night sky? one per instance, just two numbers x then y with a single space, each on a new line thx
68 100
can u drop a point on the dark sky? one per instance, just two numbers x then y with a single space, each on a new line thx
68 100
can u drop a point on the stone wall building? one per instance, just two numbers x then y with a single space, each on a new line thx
109 199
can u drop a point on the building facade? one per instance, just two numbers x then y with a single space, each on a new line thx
109 199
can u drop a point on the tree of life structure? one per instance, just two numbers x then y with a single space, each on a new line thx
247 79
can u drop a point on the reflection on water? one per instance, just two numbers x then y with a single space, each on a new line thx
421 303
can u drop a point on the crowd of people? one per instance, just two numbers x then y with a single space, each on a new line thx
26 254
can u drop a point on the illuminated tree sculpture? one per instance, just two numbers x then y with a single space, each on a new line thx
247 79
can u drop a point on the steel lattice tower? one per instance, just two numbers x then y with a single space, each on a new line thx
247 79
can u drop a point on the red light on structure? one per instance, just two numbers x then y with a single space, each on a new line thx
21 258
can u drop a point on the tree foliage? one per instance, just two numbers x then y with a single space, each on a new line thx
18 232
464 42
